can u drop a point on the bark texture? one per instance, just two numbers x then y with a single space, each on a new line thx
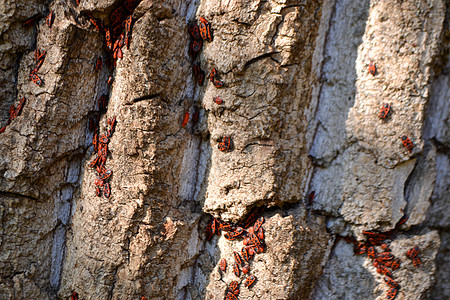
301 109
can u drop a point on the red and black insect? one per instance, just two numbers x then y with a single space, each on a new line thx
127 25
2 129
19 108
253 216
225 226
218 83
246 269
205 29
208 231
385 108
402 220
413 252
250 281
232 235
260 233
258 224
105 175
407 143
107 190
236 270
223 264
195 46
185 119
194 31
390 295
217 100
237 258
200 78
108 39
390 282
97 23
98 191
39 55
74 296
30 22
371 252
395 264
110 80
244 254
116 16
225 144
416 262
231 296
98 64
215 226
212 74
102 103
381 269
385 256
372 69
112 123
234 287
49 19
35 78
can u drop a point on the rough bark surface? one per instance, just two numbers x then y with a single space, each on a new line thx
301 109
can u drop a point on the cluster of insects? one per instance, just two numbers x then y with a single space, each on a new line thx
252 234
386 108
13 112
101 147
200 32
117 34
385 262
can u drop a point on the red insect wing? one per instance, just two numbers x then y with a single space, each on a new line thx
217 100
197 45
35 79
250 280
194 31
203 20
218 83
107 190
98 191
116 15
185 119
203 31
223 264
212 74
390 282
371 252
49 19
236 270
416 262
208 232
237 258
385 256
390 295
413 252
407 143
244 254
2 129
384 110
246 269
201 78
258 223
372 69
98 64
260 233
233 287
74 294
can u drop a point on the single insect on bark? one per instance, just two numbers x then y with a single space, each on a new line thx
407 143
372 68
250 281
